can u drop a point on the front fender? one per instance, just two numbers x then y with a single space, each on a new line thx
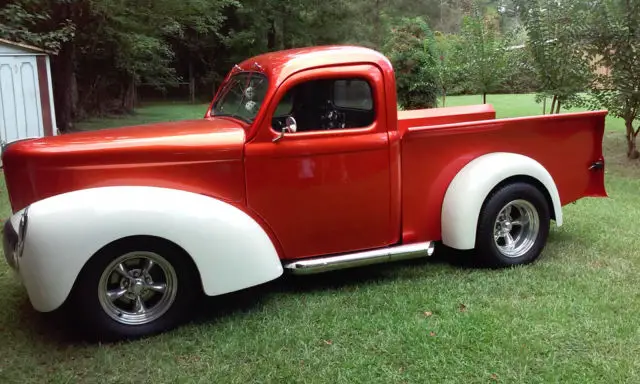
471 186
230 250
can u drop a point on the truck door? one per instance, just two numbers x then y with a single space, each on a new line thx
325 188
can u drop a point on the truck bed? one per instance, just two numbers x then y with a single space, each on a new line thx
433 152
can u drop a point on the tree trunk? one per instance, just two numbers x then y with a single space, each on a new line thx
544 106
484 98
285 38
553 105
271 35
632 135
444 97
558 107
377 20
192 84
129 95
63 68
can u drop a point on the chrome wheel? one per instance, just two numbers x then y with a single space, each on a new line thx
137 288
516 228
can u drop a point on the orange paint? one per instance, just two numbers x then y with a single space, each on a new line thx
318 192
566 145
202 156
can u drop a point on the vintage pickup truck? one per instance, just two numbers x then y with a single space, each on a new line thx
301 164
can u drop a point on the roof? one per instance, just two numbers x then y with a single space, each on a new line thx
23 46
281 64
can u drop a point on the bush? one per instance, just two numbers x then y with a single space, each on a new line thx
410 48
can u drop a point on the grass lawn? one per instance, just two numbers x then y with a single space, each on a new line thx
149 114
570 317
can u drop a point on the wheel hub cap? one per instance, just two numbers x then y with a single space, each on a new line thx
137 288
516 228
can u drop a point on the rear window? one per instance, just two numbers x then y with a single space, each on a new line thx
353 94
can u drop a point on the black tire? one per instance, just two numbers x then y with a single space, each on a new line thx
94 320
526 198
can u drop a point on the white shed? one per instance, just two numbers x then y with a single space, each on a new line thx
26 93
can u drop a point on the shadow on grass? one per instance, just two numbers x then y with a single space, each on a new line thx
50 330
221 307
55 329
217 309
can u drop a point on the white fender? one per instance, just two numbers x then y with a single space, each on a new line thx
230 250
471 186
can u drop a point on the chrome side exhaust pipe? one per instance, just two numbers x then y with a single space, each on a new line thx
359 259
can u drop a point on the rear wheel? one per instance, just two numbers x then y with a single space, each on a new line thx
135 287
513 226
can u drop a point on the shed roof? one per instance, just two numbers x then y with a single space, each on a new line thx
22 47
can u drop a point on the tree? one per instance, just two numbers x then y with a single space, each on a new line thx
485 55
613 43
48 24
410 48
448 62
105 50
21 21
520 73
554 28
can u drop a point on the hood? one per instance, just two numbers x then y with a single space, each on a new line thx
218 132
202 156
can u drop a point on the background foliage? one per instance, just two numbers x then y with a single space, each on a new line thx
613 42
411 49
110 54
554 28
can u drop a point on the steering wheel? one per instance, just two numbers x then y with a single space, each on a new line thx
331 117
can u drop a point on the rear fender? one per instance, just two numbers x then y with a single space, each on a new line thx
230 250
471 186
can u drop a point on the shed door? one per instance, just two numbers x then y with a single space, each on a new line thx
20 113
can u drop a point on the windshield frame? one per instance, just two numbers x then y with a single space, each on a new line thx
241 82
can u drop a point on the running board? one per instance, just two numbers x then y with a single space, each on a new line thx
359 259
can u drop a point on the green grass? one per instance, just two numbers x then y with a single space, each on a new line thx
519 106
150 113
570 317
505 105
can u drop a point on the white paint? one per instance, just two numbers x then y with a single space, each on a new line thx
16 50
20 109
54 125
471 186
230 250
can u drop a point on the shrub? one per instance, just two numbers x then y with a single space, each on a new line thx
410 48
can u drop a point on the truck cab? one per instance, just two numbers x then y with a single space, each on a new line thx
318 158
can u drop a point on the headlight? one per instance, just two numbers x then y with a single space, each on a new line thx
22 231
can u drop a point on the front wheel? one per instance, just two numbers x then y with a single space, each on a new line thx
135 287
513 226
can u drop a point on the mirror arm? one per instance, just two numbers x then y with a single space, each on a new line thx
280 136
290 127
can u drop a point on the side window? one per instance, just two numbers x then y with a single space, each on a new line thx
353 94
327 104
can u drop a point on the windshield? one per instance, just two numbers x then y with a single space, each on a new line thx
242 96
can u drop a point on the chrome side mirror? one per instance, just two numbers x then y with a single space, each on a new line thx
290 126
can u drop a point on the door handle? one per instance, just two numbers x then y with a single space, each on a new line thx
597 165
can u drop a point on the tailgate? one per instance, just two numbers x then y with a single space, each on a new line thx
578 168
